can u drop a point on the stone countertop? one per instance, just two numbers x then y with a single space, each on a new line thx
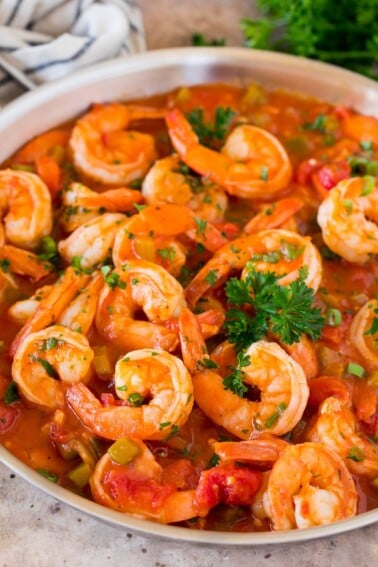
38 531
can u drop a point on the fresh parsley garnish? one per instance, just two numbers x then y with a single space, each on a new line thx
209 134
234 380
287 311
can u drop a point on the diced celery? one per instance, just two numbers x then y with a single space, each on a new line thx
123 451
80 475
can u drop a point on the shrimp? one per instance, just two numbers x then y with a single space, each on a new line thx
276 250
51 306
274 215
28 202
24 263
263 450
139 284
47 144
309 485
153 235
280 380
80 312
336 428
161 387
170 181
362 335
348 217
92 243
81 204
105 151
252 163
21 311
44 356
139 487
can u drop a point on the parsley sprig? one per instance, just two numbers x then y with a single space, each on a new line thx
210 134
287 311
340 32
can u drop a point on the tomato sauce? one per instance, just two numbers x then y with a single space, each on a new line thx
323 149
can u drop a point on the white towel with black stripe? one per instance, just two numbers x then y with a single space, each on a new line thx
47 39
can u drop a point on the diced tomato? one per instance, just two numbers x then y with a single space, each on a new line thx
8 417
329 175
228 228
306 169
144 495
228 483
181 473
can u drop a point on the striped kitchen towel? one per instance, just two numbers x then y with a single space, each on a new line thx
46 39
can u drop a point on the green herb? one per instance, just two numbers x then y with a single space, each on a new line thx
339 32
292 251
328 254
49 251
164 424
318 124
113 280
201 225
48 367
368 185
333 317
174 430
286 311
136 184
139 207
211 277
207 363
273 419
135 399
5 265
348 206
374 326
199 40
76 263
49 344
270 257
361 165
214 461
264 173
356 454
356 369
210 133
49 475
11 394
234 381
167 253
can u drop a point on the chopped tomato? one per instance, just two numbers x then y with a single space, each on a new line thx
8 417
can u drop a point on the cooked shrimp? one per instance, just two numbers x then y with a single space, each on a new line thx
24 263
81 204
139 284
309 486
139 487
336 427
361 334
80 312
280 251
348 217
42 357
92 242
262 450
361 128
274 215
105 151
136 240
27 202
21 311
47 144
281 382
152 376
304 353
51 306
252 163
170 181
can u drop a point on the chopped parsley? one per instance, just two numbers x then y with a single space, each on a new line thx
287 311
234 380
208 134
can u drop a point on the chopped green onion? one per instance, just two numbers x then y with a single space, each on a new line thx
264 173
368 185
272 420
52 477
11 394
333 317
366 145
135 399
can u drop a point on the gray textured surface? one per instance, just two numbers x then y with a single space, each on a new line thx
38 531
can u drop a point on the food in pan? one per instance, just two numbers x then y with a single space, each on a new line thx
189 316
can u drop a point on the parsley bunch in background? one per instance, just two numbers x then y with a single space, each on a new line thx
342 32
